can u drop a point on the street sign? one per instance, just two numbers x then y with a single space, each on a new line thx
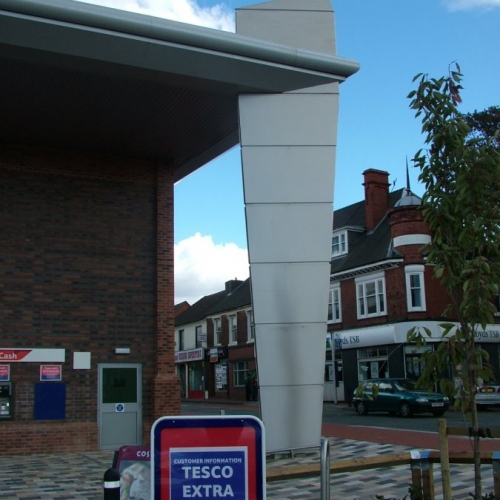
208 457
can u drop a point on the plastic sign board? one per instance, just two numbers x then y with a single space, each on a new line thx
50 373
32 355
208 458
4 373
133 464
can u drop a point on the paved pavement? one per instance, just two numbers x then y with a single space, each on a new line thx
79 476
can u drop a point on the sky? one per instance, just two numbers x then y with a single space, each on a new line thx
393 40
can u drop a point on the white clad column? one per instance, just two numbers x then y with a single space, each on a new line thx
288 155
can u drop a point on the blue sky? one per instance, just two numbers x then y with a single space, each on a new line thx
393 40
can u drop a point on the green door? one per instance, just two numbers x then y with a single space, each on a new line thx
120 405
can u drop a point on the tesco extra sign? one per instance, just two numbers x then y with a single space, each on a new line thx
208 457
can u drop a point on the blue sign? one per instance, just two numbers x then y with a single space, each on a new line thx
208 473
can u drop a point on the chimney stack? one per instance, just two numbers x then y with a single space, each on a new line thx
376 183
232 285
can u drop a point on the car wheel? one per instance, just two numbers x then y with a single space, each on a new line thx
361 408
405 410
439 413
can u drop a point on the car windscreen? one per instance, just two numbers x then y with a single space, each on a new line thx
404 385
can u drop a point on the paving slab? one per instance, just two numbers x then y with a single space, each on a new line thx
79 476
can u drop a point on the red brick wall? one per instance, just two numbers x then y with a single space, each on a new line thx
376 196
166 384
78 270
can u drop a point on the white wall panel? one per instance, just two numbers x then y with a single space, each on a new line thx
288 120
288 146
298 344
286 232
288 174
290 292
297 423
300 28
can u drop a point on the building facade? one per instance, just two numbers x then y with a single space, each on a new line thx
380 287
228 363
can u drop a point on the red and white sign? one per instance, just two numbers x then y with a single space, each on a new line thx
4 373
208 457
50 373
189 355
10 355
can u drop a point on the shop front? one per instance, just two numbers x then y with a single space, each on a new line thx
383 351
190 366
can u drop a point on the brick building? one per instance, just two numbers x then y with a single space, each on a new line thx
380 287
102 111
226 357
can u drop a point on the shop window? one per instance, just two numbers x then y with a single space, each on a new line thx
233 329
339 243
415 290
217 331
334 304
220 376
240 372
373 362
414 362
250 327
195 376
370 295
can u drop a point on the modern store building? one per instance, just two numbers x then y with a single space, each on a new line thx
102 112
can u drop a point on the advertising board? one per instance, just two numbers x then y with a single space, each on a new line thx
208 458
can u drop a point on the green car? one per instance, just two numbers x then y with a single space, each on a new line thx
398 396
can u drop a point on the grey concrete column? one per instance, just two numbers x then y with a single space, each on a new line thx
288 155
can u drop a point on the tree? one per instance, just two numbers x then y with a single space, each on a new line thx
461 175
485 125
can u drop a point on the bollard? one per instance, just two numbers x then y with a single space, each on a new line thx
111 485
422 473
325 469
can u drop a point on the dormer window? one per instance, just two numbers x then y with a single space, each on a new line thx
339 243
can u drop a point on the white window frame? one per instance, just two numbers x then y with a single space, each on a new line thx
233 329
240 373
340 247
410 271
217 331
334 299
362 298
250 326
181 339
198 332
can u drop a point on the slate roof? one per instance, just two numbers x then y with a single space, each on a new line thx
239 298
199 310
216 303
365 248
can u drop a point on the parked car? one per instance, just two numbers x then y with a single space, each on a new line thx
398 396
488 395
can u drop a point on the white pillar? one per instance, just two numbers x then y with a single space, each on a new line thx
288 154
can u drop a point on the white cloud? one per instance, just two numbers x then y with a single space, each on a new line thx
471 4
218 16
202 267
